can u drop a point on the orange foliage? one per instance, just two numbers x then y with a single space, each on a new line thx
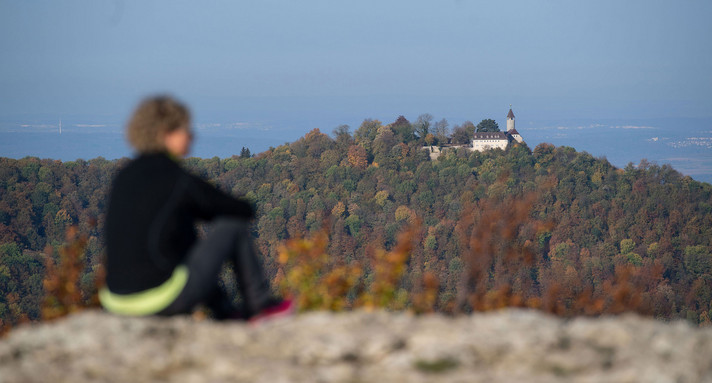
61 284
425 301
358 157
499 258
314 279
319 281
388 268
489 232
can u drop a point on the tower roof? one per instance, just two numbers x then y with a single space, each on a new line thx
510 114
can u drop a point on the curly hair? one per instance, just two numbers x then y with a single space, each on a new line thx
154 117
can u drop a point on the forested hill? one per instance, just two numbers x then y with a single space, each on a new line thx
587 225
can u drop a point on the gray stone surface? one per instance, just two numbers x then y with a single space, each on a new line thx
506 346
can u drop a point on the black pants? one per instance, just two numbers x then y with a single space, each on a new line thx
229 240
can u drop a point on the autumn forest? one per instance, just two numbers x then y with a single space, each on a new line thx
368 219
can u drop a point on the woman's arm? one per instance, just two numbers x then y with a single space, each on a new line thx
210 202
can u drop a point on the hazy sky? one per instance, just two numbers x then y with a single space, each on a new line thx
301 60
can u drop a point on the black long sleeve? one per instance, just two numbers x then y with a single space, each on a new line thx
212 202
150 224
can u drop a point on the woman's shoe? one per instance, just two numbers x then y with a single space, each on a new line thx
275 308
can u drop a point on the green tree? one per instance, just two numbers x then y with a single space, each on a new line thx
403 130
627 246
342 135
698 259
366 133
353 223
488 125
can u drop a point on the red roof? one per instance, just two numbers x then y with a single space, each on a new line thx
510 114
513 132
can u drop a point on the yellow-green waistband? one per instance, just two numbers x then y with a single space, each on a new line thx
146 302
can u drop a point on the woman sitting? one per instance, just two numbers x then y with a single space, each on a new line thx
155 263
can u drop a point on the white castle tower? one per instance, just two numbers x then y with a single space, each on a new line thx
510 119
510 126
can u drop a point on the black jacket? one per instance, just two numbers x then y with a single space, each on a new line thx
150 223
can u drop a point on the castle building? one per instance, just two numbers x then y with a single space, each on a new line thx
491 140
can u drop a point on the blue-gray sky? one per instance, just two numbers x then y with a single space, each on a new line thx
572 59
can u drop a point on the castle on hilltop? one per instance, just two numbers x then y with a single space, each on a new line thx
490 140
482 141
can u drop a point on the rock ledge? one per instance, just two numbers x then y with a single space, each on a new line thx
510 345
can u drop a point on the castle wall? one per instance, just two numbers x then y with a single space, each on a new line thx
482 145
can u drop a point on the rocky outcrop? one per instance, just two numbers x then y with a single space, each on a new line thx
506 346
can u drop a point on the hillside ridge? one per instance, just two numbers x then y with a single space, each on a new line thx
591 229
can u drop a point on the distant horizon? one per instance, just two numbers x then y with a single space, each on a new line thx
620 141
